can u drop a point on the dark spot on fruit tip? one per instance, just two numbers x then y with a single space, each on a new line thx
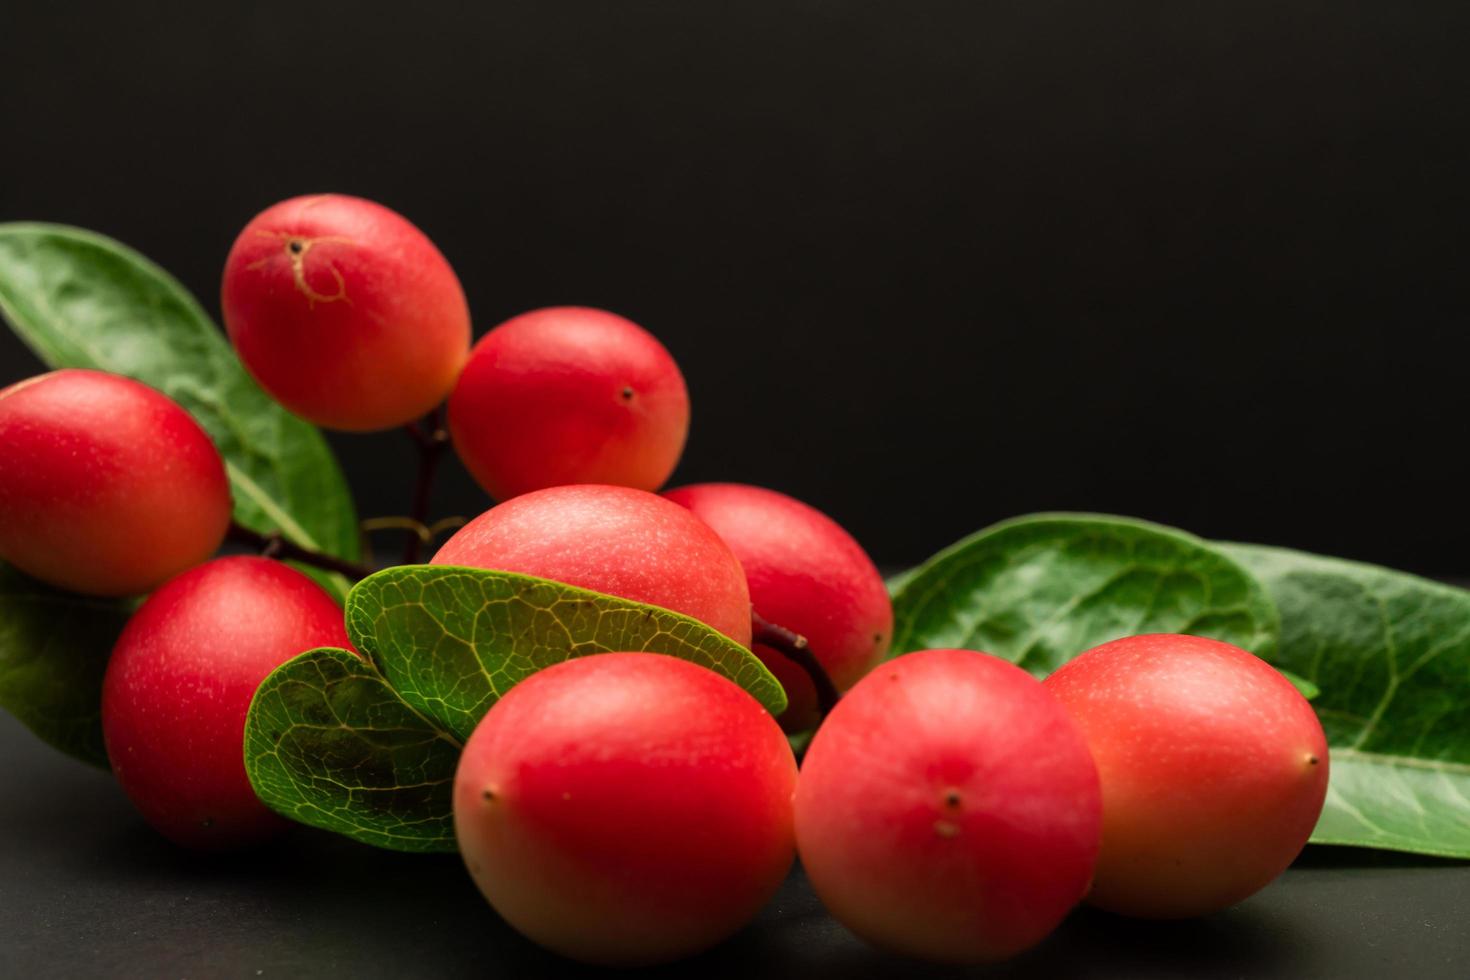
295 246
627 393
877 639
1312 760
952 798
489 795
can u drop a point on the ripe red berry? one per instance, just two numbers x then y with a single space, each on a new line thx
180 682
807 574
345 312
569 395
948 809
627 808
107 486
1213 769
614 540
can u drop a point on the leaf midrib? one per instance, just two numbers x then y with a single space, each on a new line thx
1399 761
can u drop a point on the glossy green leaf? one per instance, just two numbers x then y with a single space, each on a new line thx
1039 590
79 299
1303 686
368 747
1391 653
328 743
451 641
53 653
895 583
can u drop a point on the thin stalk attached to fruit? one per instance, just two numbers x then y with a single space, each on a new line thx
793 647
275 545
432 439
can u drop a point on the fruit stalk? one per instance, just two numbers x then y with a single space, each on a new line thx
431 445
275 545
793 646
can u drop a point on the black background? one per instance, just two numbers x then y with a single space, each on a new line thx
925 265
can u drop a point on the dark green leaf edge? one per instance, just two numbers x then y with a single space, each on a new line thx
567 622
1263 645
310 760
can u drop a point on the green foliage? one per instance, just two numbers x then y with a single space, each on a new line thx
1039 590
328 743
53 654
79 299
1391 653
368 747
451 641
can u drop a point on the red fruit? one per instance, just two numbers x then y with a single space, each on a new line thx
106 486
948 808
179 684
627 808
345 312
569 394
613 540
1213 768
807 574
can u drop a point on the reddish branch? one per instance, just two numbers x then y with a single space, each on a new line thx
793 646
432 439
275 545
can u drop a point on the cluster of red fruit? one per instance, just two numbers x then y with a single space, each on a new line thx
633 808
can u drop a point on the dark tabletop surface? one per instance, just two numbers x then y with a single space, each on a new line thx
86 889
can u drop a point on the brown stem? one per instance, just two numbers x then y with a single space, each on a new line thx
274 545
793 647
431 446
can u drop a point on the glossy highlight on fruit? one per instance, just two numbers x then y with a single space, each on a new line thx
948 808
614 540
569 394
626 809
107 487
180 682
1213 768
345 312
807 574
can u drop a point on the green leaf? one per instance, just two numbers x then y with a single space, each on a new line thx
1391 653
53 654
895 583
79 299
1303 686
1039 590
452 641
329 744
368 748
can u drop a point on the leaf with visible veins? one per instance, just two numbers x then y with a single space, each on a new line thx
451 641
1039 590
368 747
1391 654
328 743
